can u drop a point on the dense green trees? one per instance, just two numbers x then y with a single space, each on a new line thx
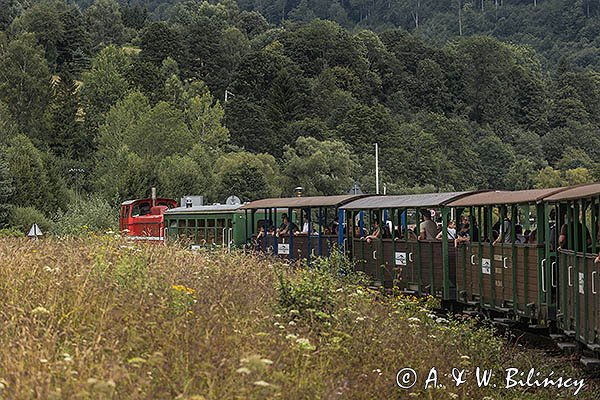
255 98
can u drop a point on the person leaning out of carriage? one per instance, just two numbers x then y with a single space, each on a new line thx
375 233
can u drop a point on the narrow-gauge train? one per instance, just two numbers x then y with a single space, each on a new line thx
528 256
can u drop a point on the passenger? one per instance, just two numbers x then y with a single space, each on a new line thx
412 234
532 238
387 233
552 231
475 230
519 237
428 227
462 236
563 242
284 228
451 231
375 233
305 227
335 225
505 228
261 232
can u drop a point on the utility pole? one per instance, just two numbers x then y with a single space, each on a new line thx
376 168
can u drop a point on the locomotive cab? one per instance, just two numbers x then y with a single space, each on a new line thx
139 219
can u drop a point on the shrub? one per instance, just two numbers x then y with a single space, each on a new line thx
11 232
89 214
22 218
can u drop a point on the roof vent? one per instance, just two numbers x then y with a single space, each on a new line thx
233 200
192 201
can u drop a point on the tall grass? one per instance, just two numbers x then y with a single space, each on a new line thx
102 318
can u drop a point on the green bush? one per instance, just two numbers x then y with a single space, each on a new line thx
307 294
11 232
21 218
89 214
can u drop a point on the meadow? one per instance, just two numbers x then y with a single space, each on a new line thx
97 317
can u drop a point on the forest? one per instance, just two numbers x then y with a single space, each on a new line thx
101 100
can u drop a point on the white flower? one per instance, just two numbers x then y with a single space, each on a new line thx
243 370
40 311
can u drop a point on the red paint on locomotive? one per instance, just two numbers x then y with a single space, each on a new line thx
140 220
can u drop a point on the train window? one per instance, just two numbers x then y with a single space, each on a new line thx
181 224
210 223
221 223
210 236
220 236
201 235
201 223
173 224
191 223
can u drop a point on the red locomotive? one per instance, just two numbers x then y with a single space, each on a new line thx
143 219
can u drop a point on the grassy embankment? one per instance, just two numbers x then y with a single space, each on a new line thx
100 318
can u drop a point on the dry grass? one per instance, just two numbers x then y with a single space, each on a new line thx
100 318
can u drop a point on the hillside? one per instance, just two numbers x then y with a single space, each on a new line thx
100 103
97 317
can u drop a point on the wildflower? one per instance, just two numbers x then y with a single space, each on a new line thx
243 370
414 319
40 311
291 336
441 320
262 383
292 323
359 319
305 344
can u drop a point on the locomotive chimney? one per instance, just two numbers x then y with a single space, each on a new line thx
153 197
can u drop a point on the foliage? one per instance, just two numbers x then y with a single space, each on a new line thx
256 98
92 214
144 309
23 218
24 81
320 167
246 175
